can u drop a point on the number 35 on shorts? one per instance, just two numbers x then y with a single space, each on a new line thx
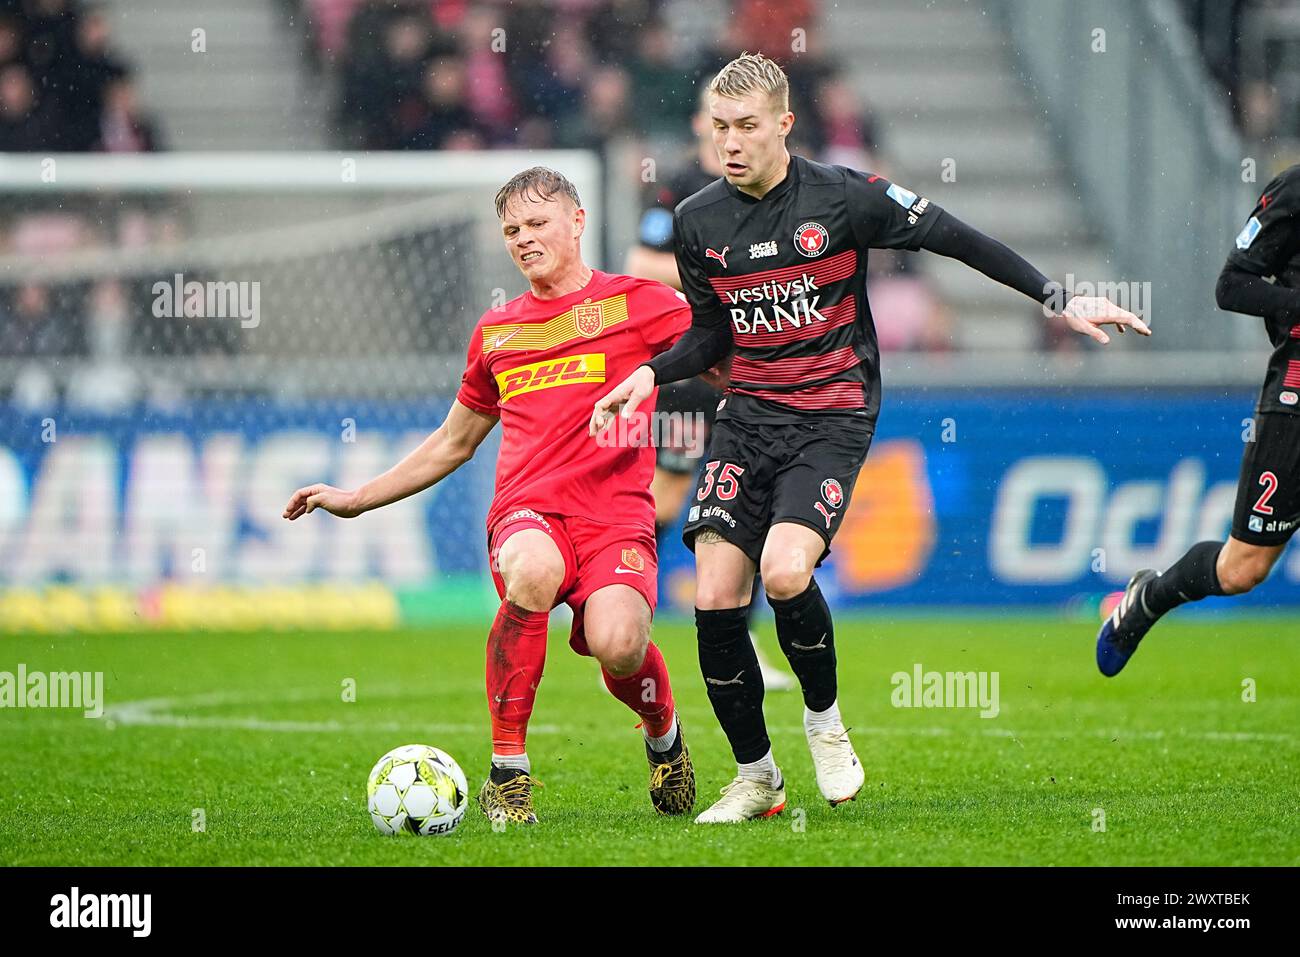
722 478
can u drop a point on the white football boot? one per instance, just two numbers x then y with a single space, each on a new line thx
774 679
744 800
839 772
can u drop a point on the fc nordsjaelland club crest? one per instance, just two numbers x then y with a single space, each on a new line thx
633 560
833 493
590 317
810 239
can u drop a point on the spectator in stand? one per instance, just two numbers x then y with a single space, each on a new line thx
50 32
548 84
769 27
12 40
122 127
78 77
407 42
387 52
847 131
606 112
27 123
908 313
660 86
489 95
444 111
613 41
35 328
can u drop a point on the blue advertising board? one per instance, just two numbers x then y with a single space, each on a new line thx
968 498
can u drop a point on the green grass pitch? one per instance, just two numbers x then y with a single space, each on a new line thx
254 731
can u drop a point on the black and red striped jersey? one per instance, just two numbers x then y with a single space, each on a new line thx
788 274
1269 245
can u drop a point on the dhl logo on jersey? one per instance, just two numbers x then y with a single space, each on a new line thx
586 319
566 370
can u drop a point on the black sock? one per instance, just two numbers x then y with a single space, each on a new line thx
1191 578
807 636
732 680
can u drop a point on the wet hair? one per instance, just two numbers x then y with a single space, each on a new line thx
538 183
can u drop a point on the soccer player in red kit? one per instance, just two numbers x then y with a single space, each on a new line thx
569 522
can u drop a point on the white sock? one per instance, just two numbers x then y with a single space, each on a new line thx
519 761
828 720
664 741
763 771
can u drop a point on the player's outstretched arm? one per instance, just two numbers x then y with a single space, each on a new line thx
1252 295
624 397
1084 314
702 346
449 447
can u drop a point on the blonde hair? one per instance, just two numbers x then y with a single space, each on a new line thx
536 183
753 73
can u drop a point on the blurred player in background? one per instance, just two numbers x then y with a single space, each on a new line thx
677 463
773 260
1267 509
568 523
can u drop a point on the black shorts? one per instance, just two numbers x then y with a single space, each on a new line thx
758 475
688 409
1268 492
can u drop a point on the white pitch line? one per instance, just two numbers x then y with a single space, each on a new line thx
162 712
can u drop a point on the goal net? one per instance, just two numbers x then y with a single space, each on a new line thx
188 338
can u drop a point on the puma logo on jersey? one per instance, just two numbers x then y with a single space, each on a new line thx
720 257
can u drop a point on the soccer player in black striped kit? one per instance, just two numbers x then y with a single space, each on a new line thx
1267 510
772 259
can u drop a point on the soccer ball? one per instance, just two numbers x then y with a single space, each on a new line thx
418 789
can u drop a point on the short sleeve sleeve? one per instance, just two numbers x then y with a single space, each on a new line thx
1269 238
885 215
478 390
690 269
663 316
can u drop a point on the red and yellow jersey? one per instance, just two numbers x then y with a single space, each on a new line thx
541 364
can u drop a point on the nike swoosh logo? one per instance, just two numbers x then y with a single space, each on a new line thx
626 571
500 340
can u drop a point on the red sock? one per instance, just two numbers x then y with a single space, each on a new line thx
516 652
648 692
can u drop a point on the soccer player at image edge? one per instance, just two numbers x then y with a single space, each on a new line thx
569 523
1267 507
773 260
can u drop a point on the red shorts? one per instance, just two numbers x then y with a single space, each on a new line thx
595 555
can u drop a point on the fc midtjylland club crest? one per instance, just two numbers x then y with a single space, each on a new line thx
833 493
633 560
590 317
810 239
